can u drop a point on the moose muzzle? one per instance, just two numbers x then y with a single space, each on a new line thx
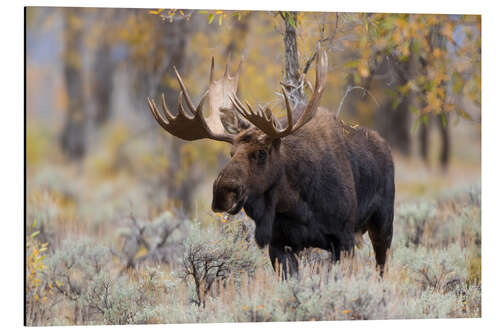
229 191
228 198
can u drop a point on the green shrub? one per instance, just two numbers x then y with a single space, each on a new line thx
432 269
412 220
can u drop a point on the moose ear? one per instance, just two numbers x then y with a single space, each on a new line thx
232 123
242 123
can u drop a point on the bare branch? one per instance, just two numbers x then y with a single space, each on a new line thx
349 89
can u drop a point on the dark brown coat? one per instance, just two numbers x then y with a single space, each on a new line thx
314 188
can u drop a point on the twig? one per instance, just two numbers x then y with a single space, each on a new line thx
349 89
329 38
165 234
115 253
291 90
309 62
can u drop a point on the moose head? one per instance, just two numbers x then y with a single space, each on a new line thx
255 135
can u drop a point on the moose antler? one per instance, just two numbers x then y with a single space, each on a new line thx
183 125
266 122
221 115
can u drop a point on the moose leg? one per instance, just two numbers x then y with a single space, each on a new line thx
380 232
341 244
283 261
335 251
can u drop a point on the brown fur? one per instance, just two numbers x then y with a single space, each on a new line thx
316 187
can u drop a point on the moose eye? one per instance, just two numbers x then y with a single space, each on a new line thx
261 156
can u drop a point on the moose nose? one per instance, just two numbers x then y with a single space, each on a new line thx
224 197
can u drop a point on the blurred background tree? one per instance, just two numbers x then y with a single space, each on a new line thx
419 63
73 135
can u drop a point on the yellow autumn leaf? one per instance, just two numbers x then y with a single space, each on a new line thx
142 252
363 69
447 31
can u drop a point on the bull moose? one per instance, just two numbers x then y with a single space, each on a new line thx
309 181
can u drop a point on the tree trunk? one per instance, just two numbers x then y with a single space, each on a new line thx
72 139
394 125
173 41
293 81
392 117
444 131
423 138
437 40
102 87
